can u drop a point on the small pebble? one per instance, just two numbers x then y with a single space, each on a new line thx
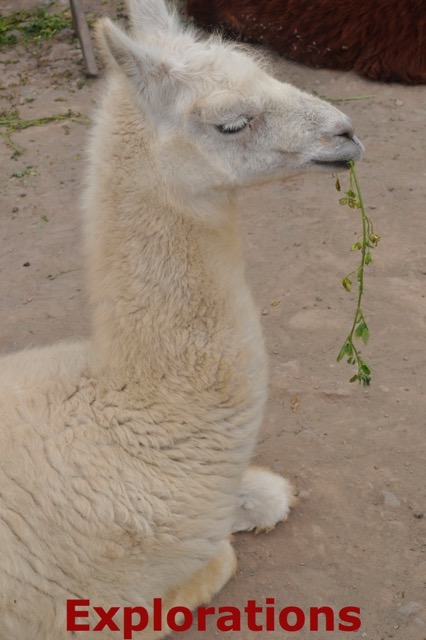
418 515
26 264
390 499
304 494
15 209
399 102
409 609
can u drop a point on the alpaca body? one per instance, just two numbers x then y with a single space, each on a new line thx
101 443
101 440
124 460
96 514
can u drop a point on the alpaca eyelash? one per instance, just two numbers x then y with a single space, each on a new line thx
235 127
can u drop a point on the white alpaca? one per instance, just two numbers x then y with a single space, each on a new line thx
124 461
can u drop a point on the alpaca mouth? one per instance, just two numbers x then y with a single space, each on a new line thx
348 148
333 165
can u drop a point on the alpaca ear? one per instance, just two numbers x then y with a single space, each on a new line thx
152 16
141 64
154 77
121 51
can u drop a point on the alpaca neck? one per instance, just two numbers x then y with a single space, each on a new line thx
167 287
161 284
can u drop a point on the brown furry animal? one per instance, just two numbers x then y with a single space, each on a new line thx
380 39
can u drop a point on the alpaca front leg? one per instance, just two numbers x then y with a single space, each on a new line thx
264 499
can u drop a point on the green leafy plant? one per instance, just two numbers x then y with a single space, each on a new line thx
32 24
353 199
11 121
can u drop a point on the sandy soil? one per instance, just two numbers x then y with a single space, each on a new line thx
357 536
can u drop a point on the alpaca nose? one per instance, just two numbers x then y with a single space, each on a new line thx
338 145
344 128
344 133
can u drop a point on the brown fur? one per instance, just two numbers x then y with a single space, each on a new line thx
380 39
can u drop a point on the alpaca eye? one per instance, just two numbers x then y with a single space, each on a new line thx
234 127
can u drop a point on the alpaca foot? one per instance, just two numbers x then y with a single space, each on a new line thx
207 581
265 499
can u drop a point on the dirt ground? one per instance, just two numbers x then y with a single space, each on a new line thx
358 458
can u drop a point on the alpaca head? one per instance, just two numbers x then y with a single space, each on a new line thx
216 118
